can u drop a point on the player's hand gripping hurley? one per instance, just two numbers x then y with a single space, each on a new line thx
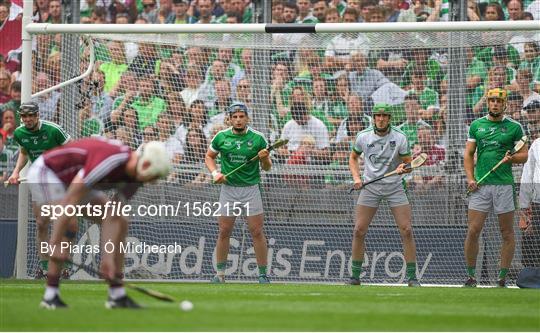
415 163
512 152
279 143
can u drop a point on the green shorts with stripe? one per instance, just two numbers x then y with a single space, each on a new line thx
394 193
500 198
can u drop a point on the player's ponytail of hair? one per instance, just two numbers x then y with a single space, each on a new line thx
155 153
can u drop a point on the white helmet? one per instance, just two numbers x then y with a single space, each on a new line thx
155 153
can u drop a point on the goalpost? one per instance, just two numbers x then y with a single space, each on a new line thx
143 71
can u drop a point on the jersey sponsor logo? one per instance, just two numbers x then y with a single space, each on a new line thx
379 161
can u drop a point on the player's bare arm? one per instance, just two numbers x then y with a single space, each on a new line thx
354 167
210 161
468 165
264 158
518 158
21 162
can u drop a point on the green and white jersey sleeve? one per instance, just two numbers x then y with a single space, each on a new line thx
236 149
493 139
48 136
382 154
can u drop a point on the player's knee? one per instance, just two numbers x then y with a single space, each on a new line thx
257 233
406 231
474 231
507 235
359 232
225 231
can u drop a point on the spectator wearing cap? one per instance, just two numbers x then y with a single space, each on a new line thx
150 11
532 112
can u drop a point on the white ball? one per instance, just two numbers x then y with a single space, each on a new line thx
186 306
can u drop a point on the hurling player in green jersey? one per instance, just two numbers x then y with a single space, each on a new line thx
492 137
34 137
240 194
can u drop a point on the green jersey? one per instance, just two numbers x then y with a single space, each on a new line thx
48 136
493 139
236 149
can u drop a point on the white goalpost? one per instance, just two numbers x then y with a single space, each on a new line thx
172 82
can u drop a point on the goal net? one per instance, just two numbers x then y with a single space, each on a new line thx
176 87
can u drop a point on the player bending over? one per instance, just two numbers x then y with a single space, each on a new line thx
385 149
75 174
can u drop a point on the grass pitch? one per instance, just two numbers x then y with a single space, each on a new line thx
275 307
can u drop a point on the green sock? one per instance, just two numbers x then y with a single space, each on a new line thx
356 268
502 273
44 265
68 264
471 270
411 270
262 270
221 267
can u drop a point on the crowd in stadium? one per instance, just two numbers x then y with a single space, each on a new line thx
320 98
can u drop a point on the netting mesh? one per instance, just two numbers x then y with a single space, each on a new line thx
175 88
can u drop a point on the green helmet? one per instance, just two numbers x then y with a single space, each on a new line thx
382 108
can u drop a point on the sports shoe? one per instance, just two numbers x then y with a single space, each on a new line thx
218 279
121 303
40 274
53 304
413 283
65 274
501 283
353 281
263 279
470 283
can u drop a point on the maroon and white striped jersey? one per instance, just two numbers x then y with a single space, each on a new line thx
100 162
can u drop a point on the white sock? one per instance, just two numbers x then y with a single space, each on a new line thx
50 293
117 292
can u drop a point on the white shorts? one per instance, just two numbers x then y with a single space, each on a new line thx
499 197
45 186
240 201
372 194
